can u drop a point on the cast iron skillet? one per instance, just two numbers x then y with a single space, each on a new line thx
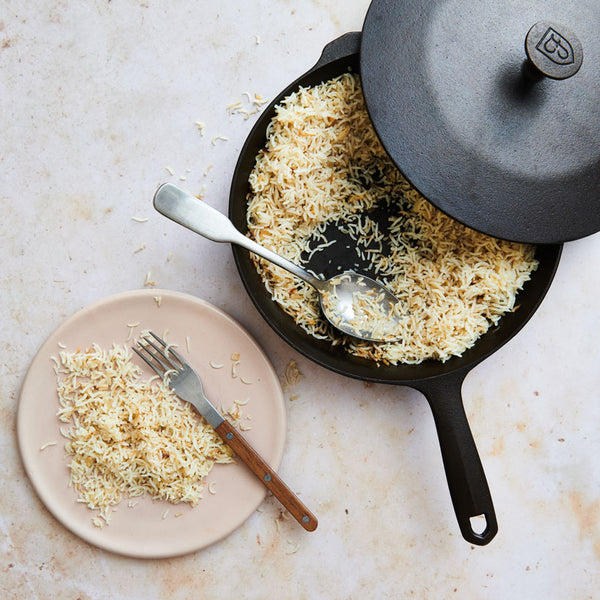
440 382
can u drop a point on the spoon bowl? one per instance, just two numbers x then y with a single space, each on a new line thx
353 303
362 307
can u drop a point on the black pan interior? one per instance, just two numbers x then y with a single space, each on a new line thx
321 351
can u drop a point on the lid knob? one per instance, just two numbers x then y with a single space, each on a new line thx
553 50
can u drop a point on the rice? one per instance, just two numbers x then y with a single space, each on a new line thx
324 168
127 437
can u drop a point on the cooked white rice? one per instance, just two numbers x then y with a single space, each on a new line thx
322 165
128 436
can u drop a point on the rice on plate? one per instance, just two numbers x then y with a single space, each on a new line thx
323 173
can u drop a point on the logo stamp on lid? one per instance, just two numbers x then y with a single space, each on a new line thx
556 47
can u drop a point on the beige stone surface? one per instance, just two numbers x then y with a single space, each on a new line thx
98 105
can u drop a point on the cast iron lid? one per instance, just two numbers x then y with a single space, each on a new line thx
491 109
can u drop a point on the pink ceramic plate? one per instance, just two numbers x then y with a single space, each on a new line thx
205 335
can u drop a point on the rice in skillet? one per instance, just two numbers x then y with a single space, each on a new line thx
323 166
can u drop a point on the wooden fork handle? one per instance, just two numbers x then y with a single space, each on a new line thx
268 476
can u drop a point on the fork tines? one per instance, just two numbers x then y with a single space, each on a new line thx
161 358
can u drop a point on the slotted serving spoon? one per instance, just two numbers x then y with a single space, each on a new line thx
355 304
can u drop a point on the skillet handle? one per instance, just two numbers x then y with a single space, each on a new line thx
469 490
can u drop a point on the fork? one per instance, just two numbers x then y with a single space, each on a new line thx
186 384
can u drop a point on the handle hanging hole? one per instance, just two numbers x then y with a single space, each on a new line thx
478 524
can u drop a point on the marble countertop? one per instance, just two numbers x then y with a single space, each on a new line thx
99 102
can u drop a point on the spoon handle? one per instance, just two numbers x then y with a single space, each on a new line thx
191 212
